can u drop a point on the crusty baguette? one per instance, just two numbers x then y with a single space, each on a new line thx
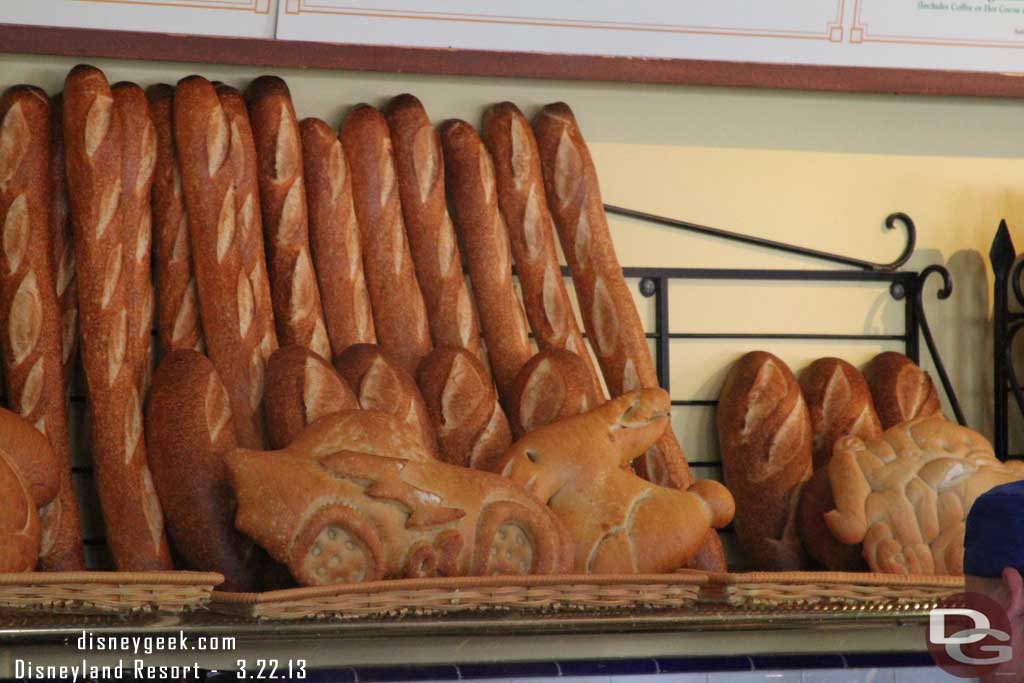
62 245
93 140
399 313
248 218
469 173
301 388
435 249
554 385
334 238
900 389
294 292
471 427
177 307
380 383
523 203
189 431
764 433
226 299
138 160
839 403
31 340
609 314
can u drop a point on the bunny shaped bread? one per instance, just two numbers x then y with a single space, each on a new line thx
906 494
621 523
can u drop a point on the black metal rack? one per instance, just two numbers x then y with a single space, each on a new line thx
1005 326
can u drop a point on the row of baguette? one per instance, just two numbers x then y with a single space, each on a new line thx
259 232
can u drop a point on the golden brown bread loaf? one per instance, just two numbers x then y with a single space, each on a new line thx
555 384
399 312
189 430
177 308
30 318
301 388
293 288
347 516
93 139
621 524
609 314
469 174
380 383
524 205
334 238
901 391
906 493
227 302
62 245
471 427
839 404
764 433
815 501
435 251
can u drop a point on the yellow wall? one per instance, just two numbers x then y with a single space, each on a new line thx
821 170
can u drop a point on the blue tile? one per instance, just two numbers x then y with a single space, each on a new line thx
390 674
888 660
609 667
682 665
509 670
794 662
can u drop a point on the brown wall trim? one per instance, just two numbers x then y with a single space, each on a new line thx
94 43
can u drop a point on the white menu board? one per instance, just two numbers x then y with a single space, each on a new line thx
969 35
236 18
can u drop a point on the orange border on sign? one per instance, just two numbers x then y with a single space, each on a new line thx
833 32
859 34
254 6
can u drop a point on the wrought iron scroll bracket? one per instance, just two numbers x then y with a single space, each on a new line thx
890 223
926 331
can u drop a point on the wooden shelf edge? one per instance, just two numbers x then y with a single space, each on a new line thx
98 43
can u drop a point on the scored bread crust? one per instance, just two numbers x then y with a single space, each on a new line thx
839 404
555 384
900 389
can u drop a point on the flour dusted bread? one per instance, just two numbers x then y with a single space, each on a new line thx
555 384
905 494
620 523
301 388
349 516
94 144
189 430
839 404
380 383
29 479
900 389
471 427
764 433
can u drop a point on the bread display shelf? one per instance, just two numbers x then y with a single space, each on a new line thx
106 592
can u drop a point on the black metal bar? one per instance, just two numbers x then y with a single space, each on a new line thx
1011 374
911 324
663 346
944 293
1002 255
795 275
890 222
701 403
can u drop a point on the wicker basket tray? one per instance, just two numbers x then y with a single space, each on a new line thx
529 594
768 589
107 592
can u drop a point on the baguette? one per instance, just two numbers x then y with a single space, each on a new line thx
900 389
293 289
334 238
839 403
248 221
62 246
93 138
189 431
520 183
138 161
609 314
177 309
765 436
554 385
226 299
381 384
301 388
399 312
420 171
469 173
30 319
471 427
